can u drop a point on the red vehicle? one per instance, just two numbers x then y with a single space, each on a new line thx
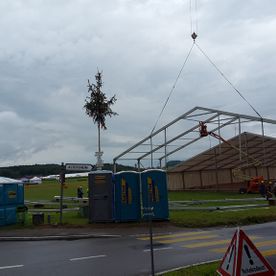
254 184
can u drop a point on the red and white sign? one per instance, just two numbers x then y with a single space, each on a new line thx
242 258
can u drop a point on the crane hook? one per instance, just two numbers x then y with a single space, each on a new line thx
194 36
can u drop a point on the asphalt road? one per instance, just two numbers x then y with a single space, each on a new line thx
127 255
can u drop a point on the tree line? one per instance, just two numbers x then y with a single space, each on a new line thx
29 171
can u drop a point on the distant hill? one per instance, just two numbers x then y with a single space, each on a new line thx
46 169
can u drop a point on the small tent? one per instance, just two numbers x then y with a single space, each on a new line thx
35 180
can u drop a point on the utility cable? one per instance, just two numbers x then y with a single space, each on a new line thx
240 94
173 87
227 80
193 16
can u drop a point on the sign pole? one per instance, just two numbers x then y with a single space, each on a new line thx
151 244
148 211
62 181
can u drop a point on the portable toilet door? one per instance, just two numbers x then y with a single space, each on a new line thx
1 195
20 194
155 193
10 215
127 196
10 194
100 196
2 216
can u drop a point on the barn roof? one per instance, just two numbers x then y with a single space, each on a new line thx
256 150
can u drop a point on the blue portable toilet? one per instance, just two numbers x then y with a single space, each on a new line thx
155 193
2 216
11 192
10 214
127 196
11 196
20 194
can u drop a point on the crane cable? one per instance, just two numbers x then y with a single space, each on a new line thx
240 94
173 87
193 16
227 80
194 30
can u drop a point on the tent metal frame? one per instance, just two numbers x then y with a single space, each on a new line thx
182 140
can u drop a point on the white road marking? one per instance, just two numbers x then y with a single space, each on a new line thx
158 249
87 258
11 266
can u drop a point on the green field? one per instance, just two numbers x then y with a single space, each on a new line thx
205 269
50 188
183 218
205 195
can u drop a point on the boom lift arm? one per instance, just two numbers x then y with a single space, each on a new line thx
253 182
204 132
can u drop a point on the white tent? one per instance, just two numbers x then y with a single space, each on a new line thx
35 180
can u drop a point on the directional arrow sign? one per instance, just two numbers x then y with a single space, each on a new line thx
78 167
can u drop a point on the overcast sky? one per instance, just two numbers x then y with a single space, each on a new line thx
49 49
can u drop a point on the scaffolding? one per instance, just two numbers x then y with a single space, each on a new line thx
174 137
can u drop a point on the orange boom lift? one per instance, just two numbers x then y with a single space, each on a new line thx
253 183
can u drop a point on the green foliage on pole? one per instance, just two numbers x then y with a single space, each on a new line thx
97 106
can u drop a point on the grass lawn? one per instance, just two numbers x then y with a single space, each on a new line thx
219 218
50 188
201 218
205 270
204 195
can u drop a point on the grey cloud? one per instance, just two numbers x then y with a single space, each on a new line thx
50 48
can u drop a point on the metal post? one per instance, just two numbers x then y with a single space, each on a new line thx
240 142
219 134
99 153
262 121
151 244
151 155
62 181
148 211
216 163
114 167
165 143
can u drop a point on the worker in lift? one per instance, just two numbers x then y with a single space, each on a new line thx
203 129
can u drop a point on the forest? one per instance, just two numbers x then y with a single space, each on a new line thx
29 171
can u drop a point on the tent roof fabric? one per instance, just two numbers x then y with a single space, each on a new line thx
256 150
6 180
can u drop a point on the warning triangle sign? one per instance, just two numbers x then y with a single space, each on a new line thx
247 259
227 266
250 261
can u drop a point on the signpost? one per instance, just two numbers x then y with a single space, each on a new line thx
64 168
78 167
62 181
148 212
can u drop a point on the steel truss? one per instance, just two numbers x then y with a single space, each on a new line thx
159 145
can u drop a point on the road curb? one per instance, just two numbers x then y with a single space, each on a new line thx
59 237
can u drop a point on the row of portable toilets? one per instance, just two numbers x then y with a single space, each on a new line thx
11 199
127 196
